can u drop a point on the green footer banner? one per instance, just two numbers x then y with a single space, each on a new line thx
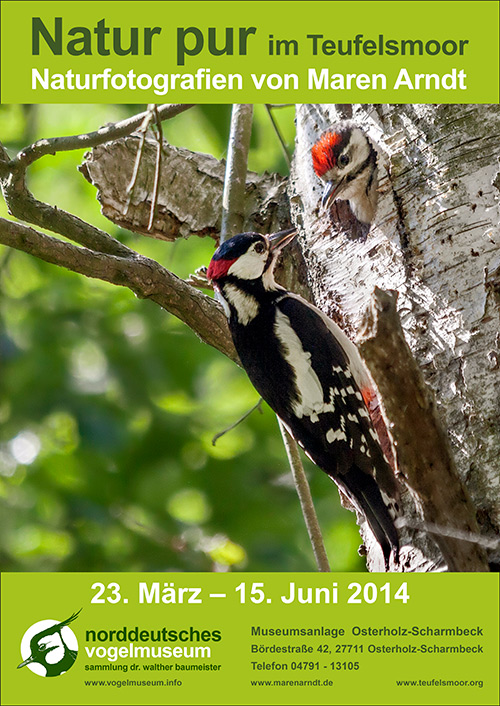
249 638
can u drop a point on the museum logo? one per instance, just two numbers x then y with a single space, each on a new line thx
49 648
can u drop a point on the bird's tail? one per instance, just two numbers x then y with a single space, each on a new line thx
365 494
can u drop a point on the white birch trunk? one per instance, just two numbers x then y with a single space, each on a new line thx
435 239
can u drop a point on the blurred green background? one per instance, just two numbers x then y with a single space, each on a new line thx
108 404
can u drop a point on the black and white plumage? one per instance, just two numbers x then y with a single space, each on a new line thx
345 159
310 374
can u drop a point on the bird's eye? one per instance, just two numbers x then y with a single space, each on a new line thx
343 160
259 247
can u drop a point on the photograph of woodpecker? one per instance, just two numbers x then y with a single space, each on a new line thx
345 159
340 265
310 374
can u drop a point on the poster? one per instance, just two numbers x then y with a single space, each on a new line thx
153 547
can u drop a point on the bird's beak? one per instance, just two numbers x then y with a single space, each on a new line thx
26 661
277 241
332 190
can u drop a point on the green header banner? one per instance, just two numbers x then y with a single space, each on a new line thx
249 638
250 52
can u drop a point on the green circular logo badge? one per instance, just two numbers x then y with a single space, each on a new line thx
49 647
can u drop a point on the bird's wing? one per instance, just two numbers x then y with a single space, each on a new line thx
330 420
329 415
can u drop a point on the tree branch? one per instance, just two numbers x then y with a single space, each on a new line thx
145 277
423 450
278 135
23 205
189 196
198 311
305 498
91 139
233 200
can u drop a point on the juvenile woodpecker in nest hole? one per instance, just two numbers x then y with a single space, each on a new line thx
346 160
311 375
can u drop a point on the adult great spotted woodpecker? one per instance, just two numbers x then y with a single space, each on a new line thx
311 375
346 160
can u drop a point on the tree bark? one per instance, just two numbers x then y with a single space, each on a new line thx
190 193
435 241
